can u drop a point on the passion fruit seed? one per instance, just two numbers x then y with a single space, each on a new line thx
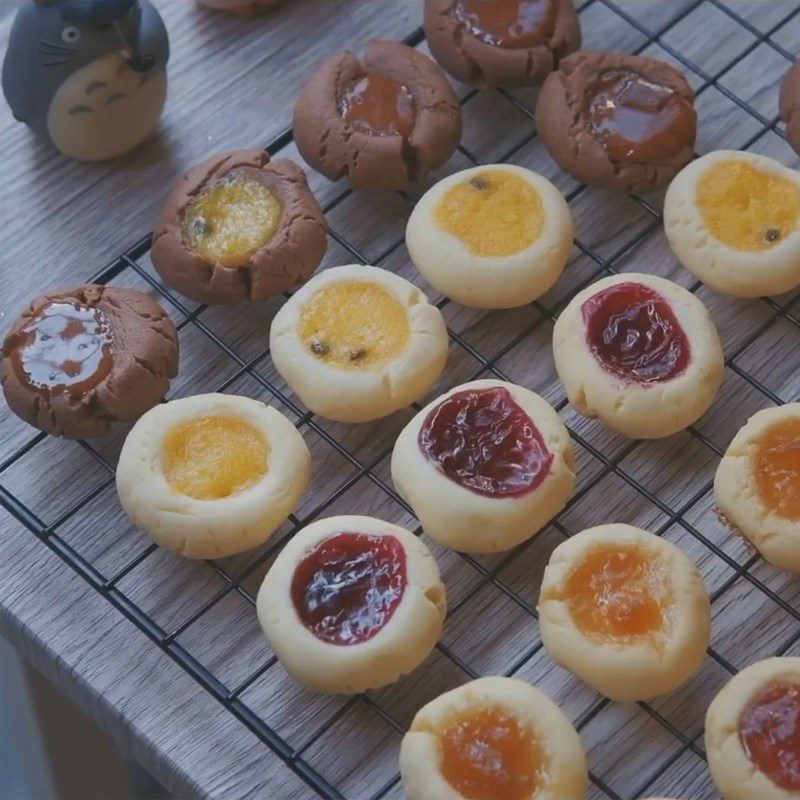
200 226
320 348
480 183
357 355
772 235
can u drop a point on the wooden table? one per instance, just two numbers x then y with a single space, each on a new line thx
232 83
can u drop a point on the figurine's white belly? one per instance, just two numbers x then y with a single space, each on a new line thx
105 109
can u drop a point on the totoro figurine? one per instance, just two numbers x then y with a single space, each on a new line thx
90 75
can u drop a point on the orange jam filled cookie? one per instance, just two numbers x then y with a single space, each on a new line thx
492 738
624 610
757 485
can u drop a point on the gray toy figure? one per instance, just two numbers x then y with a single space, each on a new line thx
90 75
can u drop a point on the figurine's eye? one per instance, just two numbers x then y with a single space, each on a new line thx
71 34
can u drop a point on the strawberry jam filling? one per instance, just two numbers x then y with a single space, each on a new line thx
634 334
348 587
769 730
482 440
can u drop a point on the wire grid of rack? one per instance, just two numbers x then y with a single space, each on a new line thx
675 759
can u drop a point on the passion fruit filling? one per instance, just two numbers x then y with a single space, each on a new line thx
66 348
634 334
510 24
746 208
618 593
776 468
769 730
379 106
489 753
231 220
355 325
482 440
494 213
346 589
210 458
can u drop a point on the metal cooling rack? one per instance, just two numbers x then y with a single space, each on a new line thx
295 757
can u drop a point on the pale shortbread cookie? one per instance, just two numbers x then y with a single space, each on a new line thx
770 261
735 775
640 410
395 650
564 776
465 520
774 534
357 343
485 272
231 519
636 667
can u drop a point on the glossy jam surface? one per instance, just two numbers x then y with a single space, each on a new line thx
379 106
618 592
494 213
348 587
769 730
634 334
489 754
355 325
776 468
745 208
511 24
233 218
637 120
209 458
482 440
66 348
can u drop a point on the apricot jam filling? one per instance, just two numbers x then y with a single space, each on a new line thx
209 458
482 440
489 754
228 222
634 334
348 587
379 106
66 348
746 208
494 213
355 325
776 468
769 730
618 592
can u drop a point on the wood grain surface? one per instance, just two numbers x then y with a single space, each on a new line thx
232 85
